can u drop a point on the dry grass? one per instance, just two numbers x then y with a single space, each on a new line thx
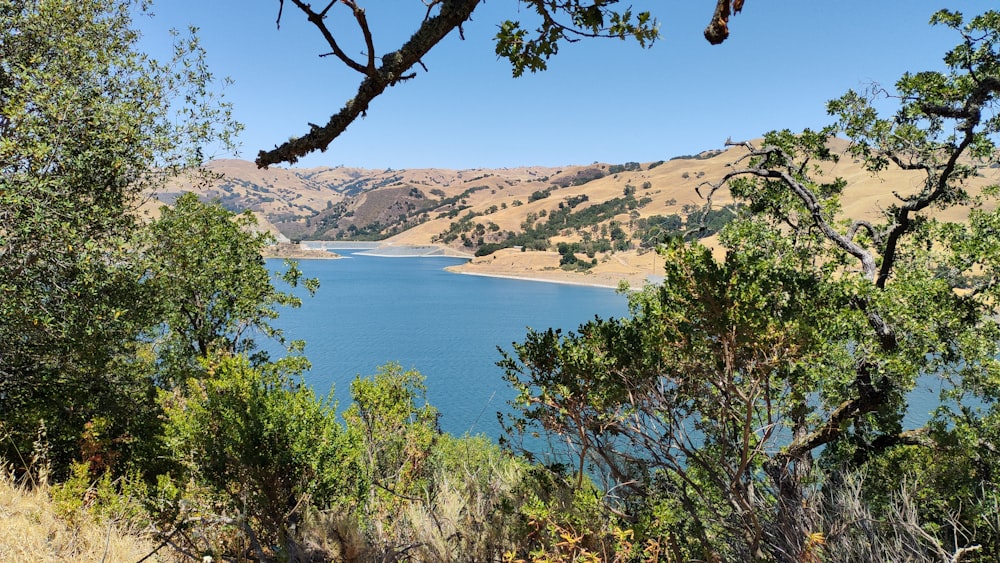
32 530
669 187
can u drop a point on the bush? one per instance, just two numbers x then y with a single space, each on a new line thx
260 440
539 194
488 248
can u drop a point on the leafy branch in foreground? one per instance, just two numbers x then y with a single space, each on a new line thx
745 394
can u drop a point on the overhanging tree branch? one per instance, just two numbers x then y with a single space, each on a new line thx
939 181
786 175
393 70
583 19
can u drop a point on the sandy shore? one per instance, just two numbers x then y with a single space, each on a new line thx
293 251
547 277
544 266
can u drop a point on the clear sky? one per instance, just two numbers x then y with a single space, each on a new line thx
601 99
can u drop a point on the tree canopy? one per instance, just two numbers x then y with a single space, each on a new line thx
87 123
747 397
212 290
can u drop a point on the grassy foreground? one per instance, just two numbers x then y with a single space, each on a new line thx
36 529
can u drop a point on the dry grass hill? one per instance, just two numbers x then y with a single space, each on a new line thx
610 211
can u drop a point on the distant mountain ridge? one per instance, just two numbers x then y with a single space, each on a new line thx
588 218
363 204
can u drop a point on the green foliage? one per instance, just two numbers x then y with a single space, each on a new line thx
700 156
709 221
390 431
627 167
488 248
658 229
569 260
580 178
737 412
87 124
259 439
82 498
265 466
594 20
567 216
213 290
539 194
670 391
457 228
566 524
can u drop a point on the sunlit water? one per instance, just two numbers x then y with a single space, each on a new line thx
373 310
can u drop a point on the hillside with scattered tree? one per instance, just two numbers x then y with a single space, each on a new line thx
603 216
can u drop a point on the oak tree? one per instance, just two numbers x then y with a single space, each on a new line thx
87 123
212 290
729 411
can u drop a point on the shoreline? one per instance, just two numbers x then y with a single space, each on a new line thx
603 281
542 277
535 279
290 251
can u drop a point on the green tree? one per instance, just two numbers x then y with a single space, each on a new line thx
391 430
692 390
260 440
732 410
86 124
213 289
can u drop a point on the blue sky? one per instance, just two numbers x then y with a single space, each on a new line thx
601 100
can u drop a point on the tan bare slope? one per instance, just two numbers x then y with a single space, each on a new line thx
418 207
298 200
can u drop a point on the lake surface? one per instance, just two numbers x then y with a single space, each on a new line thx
370 311
373 310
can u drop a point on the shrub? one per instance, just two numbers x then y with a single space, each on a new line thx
260 440
539 194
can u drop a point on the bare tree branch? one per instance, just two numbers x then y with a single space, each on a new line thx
319 20
393 69
587 21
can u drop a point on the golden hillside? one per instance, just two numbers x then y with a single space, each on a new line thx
466 209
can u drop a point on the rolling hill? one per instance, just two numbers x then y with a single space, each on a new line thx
523 221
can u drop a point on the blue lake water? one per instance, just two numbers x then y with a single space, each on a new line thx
373 310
